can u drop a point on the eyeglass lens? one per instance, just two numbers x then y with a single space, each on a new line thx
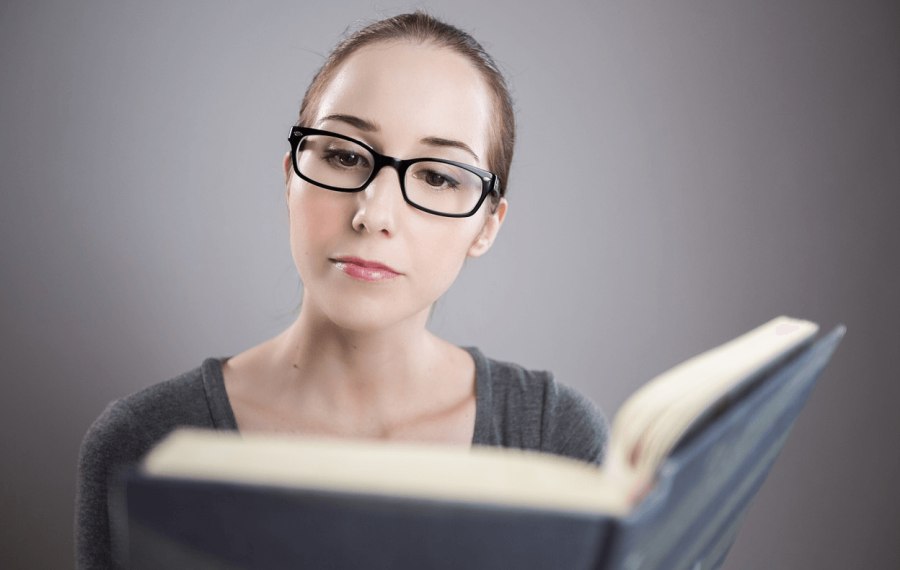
344 164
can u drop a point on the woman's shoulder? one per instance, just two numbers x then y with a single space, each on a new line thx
531 409
120 436
143 417
512 380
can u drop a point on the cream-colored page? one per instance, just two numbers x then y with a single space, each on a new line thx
480 474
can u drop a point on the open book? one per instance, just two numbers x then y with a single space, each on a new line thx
686 453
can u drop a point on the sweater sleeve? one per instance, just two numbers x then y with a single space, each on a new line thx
572 425
113 441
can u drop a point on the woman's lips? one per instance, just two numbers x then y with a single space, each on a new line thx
365 270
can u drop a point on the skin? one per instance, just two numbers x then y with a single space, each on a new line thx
359 361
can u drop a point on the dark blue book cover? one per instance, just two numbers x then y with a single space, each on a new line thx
691 517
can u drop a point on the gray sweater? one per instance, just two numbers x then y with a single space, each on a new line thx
515 407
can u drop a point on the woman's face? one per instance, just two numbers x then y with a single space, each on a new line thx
405 101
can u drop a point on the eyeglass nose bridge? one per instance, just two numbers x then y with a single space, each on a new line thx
380 161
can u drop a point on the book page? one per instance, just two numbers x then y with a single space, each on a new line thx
478 474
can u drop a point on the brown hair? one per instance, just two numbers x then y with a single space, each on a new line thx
419 27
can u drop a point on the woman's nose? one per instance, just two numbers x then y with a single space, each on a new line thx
378 204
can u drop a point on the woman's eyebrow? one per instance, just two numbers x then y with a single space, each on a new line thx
438 141
361 124
370 126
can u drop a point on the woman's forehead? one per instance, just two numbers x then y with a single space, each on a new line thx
410 92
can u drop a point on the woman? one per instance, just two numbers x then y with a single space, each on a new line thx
395 176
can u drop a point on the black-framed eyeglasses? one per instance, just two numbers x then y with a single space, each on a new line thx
434 185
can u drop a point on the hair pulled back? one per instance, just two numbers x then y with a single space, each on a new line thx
419 27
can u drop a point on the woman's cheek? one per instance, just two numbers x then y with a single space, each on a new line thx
315 222
318 212
444 256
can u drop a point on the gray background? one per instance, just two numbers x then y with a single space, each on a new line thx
686 171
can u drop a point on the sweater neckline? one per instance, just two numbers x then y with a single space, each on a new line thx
222 414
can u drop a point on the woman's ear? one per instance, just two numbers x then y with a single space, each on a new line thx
485 238
288 168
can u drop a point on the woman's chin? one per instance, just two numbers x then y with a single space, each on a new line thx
365 316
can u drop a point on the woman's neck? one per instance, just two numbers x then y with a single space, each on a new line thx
398 382
360 372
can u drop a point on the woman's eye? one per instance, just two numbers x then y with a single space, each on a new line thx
348 159
345 158
438 180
